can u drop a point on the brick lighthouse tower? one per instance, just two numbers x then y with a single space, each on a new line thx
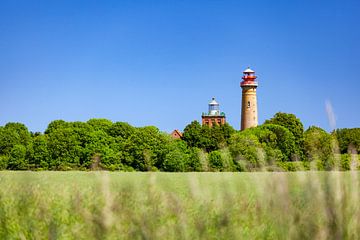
214 116
249 113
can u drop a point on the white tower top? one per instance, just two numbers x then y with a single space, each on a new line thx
214 109
248 70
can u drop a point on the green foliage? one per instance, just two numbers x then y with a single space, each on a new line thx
349 162
284 141
56 124
294 125
227 131
192 135
246 151
21 131
17 158
215 161
121 130
41 157
348 139
318 146
145 148
4 159
65 149
207 138
100 124
8 139
13 134
292 166
99 144
178 157
289 121
345 162
194 161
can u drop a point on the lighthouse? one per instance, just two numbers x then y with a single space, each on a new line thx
213 116
249 112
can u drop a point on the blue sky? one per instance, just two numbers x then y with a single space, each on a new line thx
160 62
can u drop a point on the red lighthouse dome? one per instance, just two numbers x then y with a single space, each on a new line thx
249 78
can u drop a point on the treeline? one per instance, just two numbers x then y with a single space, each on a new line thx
280 144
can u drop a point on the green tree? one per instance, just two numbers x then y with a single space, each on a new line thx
246 151
56 124
284 141
207 138
8 139
100 124
179 158
21 130
194 161
4 159
348 139
294 125
145 149
17 158
13 134
192 135
227 131
215 161
99 143
318 145
41 157
121 129
65 148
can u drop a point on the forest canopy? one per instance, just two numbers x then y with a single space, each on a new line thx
280 144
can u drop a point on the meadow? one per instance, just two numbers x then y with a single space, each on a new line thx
120 205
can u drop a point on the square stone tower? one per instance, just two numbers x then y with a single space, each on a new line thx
214 116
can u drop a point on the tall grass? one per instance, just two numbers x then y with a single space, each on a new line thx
107 205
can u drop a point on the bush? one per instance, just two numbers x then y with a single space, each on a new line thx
215 161
246 151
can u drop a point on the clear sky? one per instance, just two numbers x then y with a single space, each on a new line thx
160 62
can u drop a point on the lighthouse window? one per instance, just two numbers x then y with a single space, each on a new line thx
248 105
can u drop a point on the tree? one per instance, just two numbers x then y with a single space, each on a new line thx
227 131
207 138
246 151
13 134
285 142
121 129
98 143
56 124
194 161
192 135
348 139
318 145
17 158
215 161
100 124
4 159
293 124
290 121
8 139
65 148
21 130
145 149
41 157
179 158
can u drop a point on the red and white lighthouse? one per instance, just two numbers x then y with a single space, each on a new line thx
249 112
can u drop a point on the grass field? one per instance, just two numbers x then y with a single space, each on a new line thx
114 205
